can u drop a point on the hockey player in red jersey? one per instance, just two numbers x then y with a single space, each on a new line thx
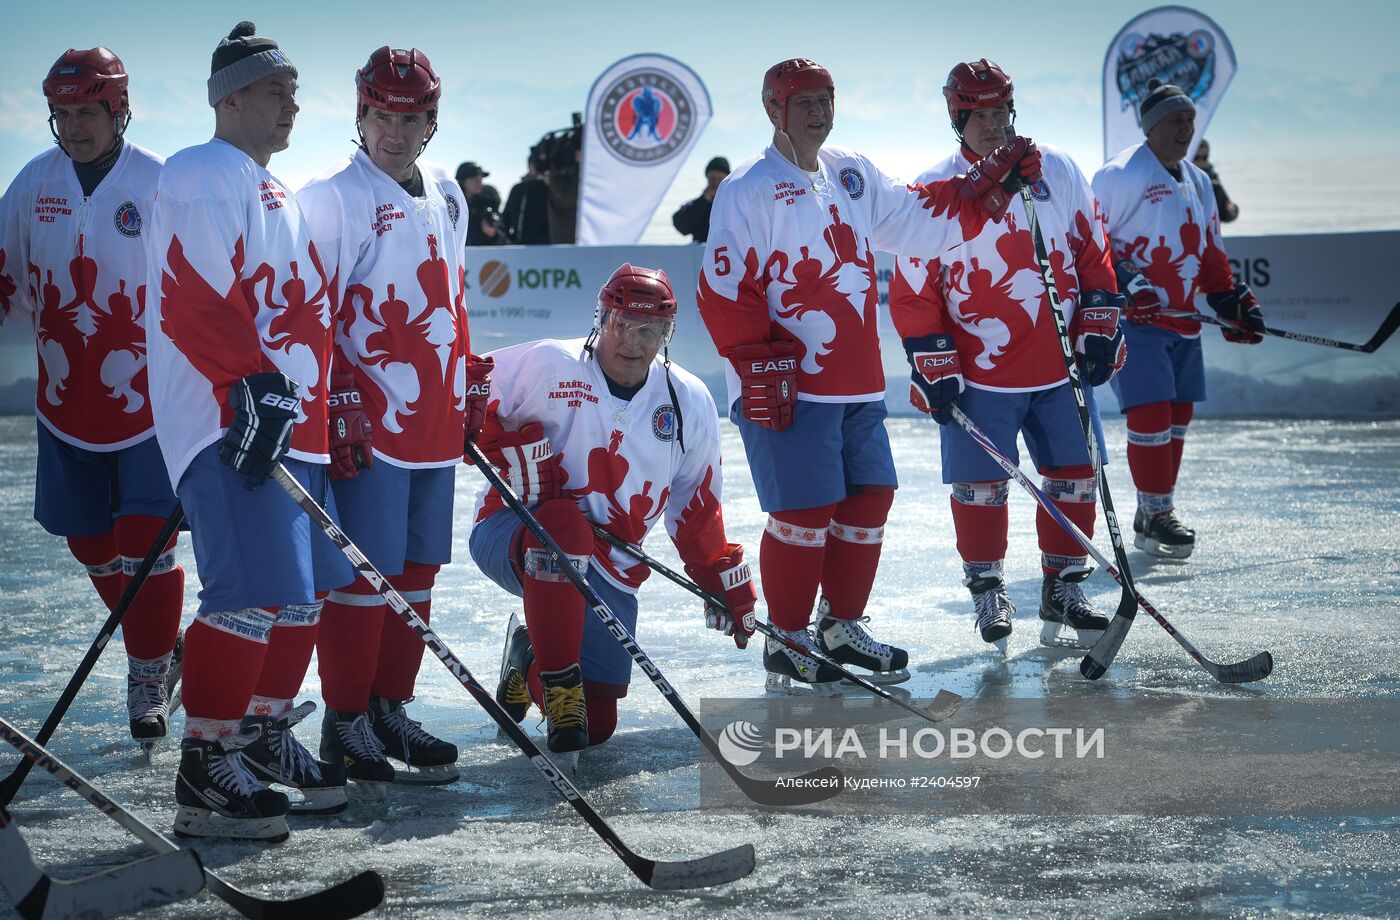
787 291
73 263
600 431
978 331
240 342
1167 251
391 228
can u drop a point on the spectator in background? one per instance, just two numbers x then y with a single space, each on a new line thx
483 206
1227 208
693 217
527 206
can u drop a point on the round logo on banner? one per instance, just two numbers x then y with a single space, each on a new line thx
128 219
646 117
494 278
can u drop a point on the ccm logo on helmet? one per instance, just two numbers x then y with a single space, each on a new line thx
1099 316
773 366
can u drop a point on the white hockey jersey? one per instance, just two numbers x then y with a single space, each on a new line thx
76 267
398 285
242 291
789 257
623 461
1168 227
988 293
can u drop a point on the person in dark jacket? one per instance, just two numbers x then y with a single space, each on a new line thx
527 206
693 217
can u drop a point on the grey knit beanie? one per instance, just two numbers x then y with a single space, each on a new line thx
1162 99
242 59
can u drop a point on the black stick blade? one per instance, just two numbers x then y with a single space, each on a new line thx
1100 657
1245 672
705 872
1387 328
351 898
944 704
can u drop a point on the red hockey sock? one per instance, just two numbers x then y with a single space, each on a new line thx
104 564
554 609
289 650
1181 420
1074 491
602 714
220 671
347 645
400 648
1150 447
980 521
854 538
152 621
790 562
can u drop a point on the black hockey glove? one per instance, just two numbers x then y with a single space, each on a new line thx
264 410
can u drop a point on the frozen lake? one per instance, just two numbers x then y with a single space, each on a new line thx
1298 552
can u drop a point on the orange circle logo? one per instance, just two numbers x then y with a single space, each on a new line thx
494 278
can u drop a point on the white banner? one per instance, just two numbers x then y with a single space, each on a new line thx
645 113
1176 45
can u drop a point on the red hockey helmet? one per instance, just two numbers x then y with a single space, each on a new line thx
639 295
94 75
794 76
976 85
395 80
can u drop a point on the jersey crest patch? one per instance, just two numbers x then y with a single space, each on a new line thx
128 220
1040 191
853 182
663 423
454 210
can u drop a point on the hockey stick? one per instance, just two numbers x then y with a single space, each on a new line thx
152 881
10 786
350 898
944 704
1100 657
1241 672
717 869
1388 326
814 786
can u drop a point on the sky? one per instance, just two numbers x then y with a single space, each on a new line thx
1316 92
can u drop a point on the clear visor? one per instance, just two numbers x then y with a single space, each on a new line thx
652 332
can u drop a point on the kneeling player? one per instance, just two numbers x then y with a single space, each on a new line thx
600 431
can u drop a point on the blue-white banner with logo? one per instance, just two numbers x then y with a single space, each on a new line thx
644 114
1175 44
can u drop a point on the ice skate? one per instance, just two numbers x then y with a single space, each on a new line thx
1063 607
1163 535
348 739
512 689
793 674
430 760
567 712
848 642
993 608
278 757
218 796
148 710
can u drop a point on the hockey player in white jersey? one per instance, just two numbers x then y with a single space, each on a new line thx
600 431
1165 229
391 228
978 331
788 293
72 263
240 342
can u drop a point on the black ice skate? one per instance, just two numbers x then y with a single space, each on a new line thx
512 690
219 797
993 608
278 757
347 739
1063 605
1163 535
567 713
430 760
785 666
849 643
148 710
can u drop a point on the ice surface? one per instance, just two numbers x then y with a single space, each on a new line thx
1298 552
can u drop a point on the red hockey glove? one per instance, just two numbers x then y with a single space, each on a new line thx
768 382
728 577
524 459
350 429
1144 304
478 395
996 178
1239 306
1099 345
937 380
